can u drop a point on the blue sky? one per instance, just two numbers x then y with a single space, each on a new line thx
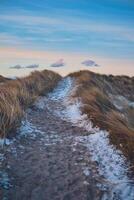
96 29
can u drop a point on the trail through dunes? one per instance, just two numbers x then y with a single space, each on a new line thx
58 155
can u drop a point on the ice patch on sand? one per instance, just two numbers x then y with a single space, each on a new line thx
51 139
4 180
86 171
28 129
5 141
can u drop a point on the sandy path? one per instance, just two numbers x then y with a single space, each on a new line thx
44 162
48 161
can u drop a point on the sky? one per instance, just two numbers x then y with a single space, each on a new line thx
66 36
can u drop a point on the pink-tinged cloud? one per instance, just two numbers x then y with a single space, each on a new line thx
90 63
9 56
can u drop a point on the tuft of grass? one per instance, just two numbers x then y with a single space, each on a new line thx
93 90
17 95
3 79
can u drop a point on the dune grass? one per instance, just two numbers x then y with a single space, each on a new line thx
17 95
3 79
93 90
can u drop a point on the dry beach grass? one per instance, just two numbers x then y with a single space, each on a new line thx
17 95
3 79
95 90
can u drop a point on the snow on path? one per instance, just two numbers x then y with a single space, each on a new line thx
62 89
112 165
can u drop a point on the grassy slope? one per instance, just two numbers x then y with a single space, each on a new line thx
94 90
3 79
17 95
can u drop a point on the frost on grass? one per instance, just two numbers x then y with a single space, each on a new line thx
121 102
5 141
73 114
41 103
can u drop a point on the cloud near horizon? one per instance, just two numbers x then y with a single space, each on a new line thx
32 66
90 63
16 67
59 63
24 67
